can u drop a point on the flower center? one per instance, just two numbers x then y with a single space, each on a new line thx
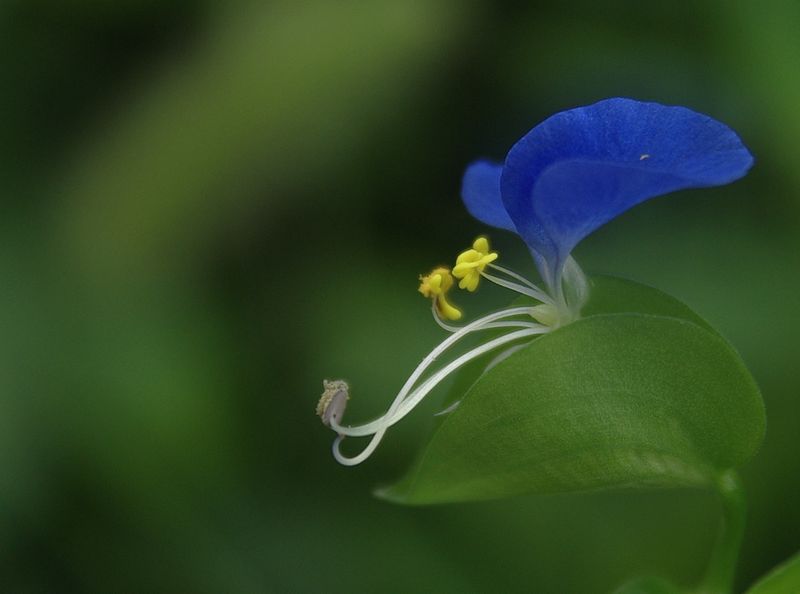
516 325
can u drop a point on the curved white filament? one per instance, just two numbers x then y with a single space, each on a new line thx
510 324
378 428
370 428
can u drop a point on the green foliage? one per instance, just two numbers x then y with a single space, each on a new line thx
610 295
616 295
184 160
784 579
638 399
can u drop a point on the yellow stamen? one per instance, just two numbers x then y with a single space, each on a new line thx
481 245
470 263
435 286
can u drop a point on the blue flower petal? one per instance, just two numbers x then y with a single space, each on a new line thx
480 190
581 168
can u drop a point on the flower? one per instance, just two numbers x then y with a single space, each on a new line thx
568 176
583 167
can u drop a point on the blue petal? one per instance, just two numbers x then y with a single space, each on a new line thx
581 168
480 190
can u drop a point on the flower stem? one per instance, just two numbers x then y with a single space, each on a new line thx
721 568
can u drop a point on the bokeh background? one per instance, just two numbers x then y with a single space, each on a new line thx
210 207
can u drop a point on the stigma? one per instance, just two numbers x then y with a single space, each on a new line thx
333 401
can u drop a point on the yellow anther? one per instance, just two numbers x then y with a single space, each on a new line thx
434 286
470 263
481 245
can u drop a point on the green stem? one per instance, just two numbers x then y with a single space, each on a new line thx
721 569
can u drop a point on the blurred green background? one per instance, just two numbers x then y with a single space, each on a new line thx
208 208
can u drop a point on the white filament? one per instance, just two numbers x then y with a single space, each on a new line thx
521 289
477 325
450 328
538 293
378 428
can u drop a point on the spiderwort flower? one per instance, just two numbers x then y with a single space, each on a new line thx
571 174
581 168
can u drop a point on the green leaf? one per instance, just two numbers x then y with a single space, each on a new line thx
609 295
612 400
616 295
784 579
